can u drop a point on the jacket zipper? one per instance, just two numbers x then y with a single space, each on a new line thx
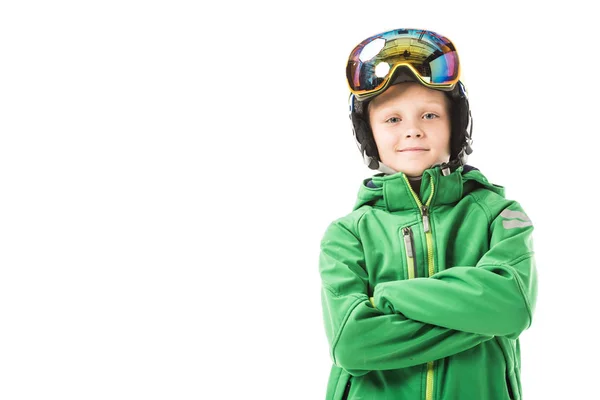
428 235
409 244
430 267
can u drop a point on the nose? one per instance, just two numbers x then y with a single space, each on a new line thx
413 133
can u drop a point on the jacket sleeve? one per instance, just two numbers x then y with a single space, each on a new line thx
363 338
495 297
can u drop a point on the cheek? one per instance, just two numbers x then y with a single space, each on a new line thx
382 138
442 142
446 136
445 144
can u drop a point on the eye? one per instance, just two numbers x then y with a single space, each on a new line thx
393 120
430 116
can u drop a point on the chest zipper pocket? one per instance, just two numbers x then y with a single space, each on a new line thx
409 246
347 389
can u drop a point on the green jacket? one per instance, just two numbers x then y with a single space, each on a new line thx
426 299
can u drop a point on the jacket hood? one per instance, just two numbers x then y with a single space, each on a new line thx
393 192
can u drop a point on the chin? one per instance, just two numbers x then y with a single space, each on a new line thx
411 172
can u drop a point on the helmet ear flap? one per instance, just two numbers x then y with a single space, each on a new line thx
458 129
363 133
364 136
462 124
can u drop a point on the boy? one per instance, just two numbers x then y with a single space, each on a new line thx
428 283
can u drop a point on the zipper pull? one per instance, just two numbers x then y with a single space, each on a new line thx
425 213
407 242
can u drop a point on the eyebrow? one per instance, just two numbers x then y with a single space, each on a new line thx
385 108
435 102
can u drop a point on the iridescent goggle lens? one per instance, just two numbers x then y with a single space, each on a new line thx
431 58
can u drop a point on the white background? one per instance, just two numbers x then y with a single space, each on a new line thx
167 171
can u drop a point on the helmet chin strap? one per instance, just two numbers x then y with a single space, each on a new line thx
385 169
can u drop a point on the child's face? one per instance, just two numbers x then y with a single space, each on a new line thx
411 127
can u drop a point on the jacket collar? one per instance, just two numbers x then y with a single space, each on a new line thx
393 193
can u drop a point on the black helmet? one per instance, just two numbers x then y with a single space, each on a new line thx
461 129
407 55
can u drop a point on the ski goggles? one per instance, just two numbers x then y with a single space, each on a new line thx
430 57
